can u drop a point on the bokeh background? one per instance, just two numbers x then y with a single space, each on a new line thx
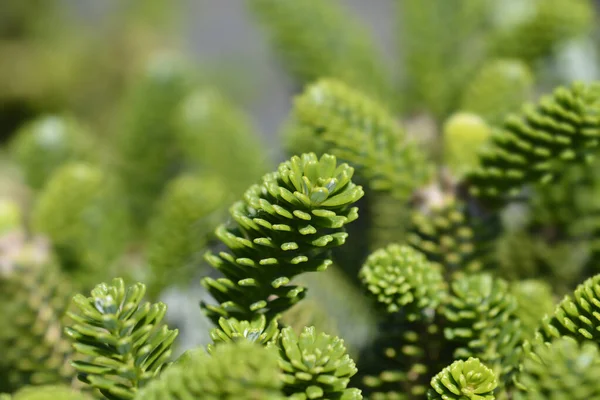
221 37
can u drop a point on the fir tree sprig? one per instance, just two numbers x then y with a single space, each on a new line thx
283 227
315 366
402 280
576 315
560 369
535 145
121 341
482 322
464 380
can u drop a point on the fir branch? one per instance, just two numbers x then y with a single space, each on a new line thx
464 380
410 290
315 366
121 340
576 316
449 235
283 227
481 322
402 280
535 146
561 369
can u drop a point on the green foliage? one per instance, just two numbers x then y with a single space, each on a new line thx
44 144
570 206
536 145
534 301
33 299
234 371
431 34
401 278
576 315
359 130
481 322
561 369
447 234
315 366
464 380
83 204
472 186
315 39
564 218
464 135
47 392
147 156
542 28
121 340
185 217
283 227
497 89
409 342
217 137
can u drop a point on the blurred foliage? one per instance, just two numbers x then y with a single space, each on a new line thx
500 87
183 222
147 154
34 298
236 156
337 45
45 143
82 204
